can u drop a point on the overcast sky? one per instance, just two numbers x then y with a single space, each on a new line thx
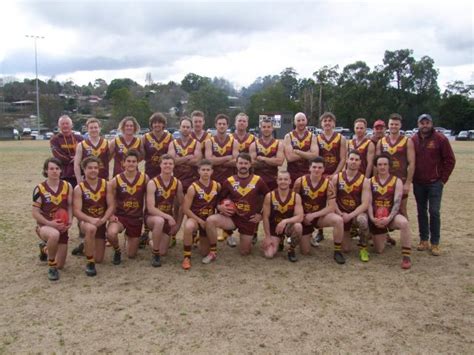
239 40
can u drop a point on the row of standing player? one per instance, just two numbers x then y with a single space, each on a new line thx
299 146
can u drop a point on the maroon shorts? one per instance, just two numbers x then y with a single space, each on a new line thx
286 232
308 229
374 230
63 237
132 225
100 233
243 225
348 225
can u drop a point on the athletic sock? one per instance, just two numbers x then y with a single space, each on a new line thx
117 248
362 246
156 252
90 259
213 248
337 246
52 263
187 251
406 251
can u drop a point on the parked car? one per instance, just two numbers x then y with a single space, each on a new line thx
212 131
462 136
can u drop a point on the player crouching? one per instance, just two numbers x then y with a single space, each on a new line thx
200 202
319 204
164 214
128 189
282 217
93 206
384 209
52 210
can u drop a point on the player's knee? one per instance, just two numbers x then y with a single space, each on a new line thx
297 229
403 223
336 220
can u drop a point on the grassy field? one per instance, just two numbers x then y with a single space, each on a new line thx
238 304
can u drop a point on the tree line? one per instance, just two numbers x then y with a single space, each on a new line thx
401 83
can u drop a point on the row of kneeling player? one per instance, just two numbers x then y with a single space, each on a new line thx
105 209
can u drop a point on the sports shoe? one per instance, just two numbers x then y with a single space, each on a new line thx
391 241
186 263
435 251
79 250
364 255
339 258
406 262
53 274
292 256
90 269
143 240
117 258
156 261
231 241
254 239
209 258
42 255
423 246
173 241
316 239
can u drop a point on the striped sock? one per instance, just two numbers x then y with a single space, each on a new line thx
406 251
213 248
337 246
156 252
52 263
90 259
187 251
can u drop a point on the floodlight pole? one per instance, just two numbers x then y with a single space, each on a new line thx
37 87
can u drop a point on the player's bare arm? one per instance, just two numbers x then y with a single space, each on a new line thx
235 153
370 159
77 163
342 156
411 166
289 151
266 215
276 160
187 202
313 151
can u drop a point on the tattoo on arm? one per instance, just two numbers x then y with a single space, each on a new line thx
395 208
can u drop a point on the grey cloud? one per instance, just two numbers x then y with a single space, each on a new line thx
51 66
150 17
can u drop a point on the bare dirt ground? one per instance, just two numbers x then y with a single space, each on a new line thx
238 304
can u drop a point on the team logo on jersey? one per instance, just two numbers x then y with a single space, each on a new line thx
202 195
277 206
308 191
165 193
305 142
243 190
331 144
131 190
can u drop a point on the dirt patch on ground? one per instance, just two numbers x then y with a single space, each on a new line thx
238 304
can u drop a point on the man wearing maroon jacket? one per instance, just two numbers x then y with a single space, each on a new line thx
63 146
436 162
